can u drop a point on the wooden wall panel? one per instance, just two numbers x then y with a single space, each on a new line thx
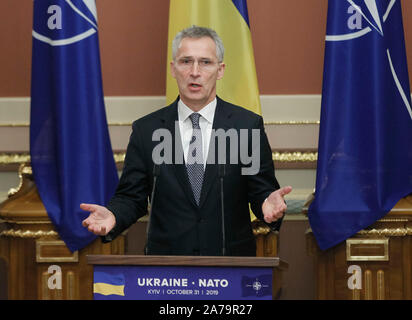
288 38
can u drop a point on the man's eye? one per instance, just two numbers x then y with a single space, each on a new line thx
205 62
186 61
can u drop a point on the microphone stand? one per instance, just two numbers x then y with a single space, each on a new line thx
221 176
156 173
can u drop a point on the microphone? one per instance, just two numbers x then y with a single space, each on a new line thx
221 173
156 173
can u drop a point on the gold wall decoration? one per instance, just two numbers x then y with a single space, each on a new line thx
279 156
295 156
387 232
259 228
119 156
27 233
54 251
14 158
380 285
367 249
23 169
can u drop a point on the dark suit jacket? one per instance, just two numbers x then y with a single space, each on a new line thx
177 225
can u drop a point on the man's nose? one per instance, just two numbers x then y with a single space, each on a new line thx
195 70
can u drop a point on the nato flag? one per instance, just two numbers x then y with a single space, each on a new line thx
70 148
365 140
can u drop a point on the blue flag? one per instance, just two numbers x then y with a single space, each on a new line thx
365 140
70 148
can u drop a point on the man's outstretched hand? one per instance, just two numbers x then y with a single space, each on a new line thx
100 221
274 206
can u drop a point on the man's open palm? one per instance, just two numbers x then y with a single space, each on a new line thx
100 221
274 207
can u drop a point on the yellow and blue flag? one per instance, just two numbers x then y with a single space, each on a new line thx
108 284
229 18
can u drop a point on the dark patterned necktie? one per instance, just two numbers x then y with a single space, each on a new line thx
194 164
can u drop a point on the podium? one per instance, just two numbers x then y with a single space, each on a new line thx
135 277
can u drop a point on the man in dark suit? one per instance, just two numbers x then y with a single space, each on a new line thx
192 162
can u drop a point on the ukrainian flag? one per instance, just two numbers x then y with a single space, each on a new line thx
229 18
108 284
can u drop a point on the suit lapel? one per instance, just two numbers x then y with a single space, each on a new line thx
221 121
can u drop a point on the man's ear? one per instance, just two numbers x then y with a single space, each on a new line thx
221 71
172 69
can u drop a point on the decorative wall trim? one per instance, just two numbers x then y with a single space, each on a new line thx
291 122
129 124
28 233
15 111
14 158
14 125
276 109
296 156
287 156
385 232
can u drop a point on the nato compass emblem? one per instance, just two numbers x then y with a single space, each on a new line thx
257 286
64 22
369 11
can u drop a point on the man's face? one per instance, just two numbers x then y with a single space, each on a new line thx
196 70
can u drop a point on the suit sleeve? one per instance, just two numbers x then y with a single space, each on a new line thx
131 197
262 184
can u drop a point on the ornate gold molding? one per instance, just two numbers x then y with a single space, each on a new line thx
260 230
119 156
14 158
28 233
295 156
26 222
23 169
393 220
362 248
386 232
63 255
279 156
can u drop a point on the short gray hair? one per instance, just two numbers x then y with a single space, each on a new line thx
196 32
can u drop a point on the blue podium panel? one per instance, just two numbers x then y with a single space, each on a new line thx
131 282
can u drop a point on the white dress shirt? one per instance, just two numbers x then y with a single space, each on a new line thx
205 122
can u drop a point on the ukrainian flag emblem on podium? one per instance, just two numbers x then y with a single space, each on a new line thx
108 284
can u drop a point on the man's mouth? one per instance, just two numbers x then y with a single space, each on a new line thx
195 85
